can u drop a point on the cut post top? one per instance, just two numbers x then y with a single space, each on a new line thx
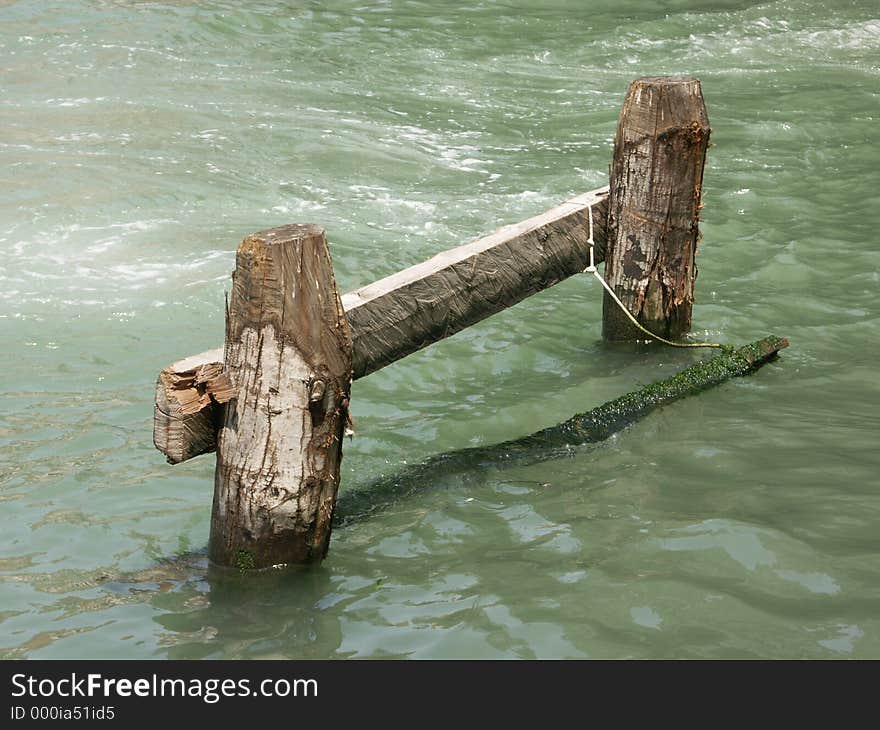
655 105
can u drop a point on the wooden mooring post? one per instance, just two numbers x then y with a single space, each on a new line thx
288 354
654 207
274 402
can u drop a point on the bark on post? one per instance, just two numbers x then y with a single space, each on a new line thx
288 353
654 207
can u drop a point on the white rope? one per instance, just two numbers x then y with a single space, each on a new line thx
591 269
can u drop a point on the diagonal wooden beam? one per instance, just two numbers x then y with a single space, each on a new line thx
404 312
591 427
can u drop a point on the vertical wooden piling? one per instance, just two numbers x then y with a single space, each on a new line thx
288 352
654 205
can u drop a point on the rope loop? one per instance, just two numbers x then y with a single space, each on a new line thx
591 269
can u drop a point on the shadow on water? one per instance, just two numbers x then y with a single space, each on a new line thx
206 611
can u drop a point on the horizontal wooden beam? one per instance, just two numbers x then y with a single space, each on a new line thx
404 312
418 306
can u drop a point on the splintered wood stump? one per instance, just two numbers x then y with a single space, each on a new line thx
654 207
288 352
185 419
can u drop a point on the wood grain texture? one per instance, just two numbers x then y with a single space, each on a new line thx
654 207
418 306
288 352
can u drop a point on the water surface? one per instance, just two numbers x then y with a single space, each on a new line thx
142 141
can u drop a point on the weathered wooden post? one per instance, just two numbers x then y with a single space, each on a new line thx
654 207
288 354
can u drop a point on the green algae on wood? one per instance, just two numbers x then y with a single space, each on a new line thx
599 423
584 428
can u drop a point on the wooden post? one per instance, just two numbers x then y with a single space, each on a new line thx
288 353
654 207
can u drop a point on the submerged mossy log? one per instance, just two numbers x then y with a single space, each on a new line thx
584 428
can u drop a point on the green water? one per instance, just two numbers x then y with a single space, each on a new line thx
140 142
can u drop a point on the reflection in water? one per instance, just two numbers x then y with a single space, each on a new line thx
268 615
205 612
